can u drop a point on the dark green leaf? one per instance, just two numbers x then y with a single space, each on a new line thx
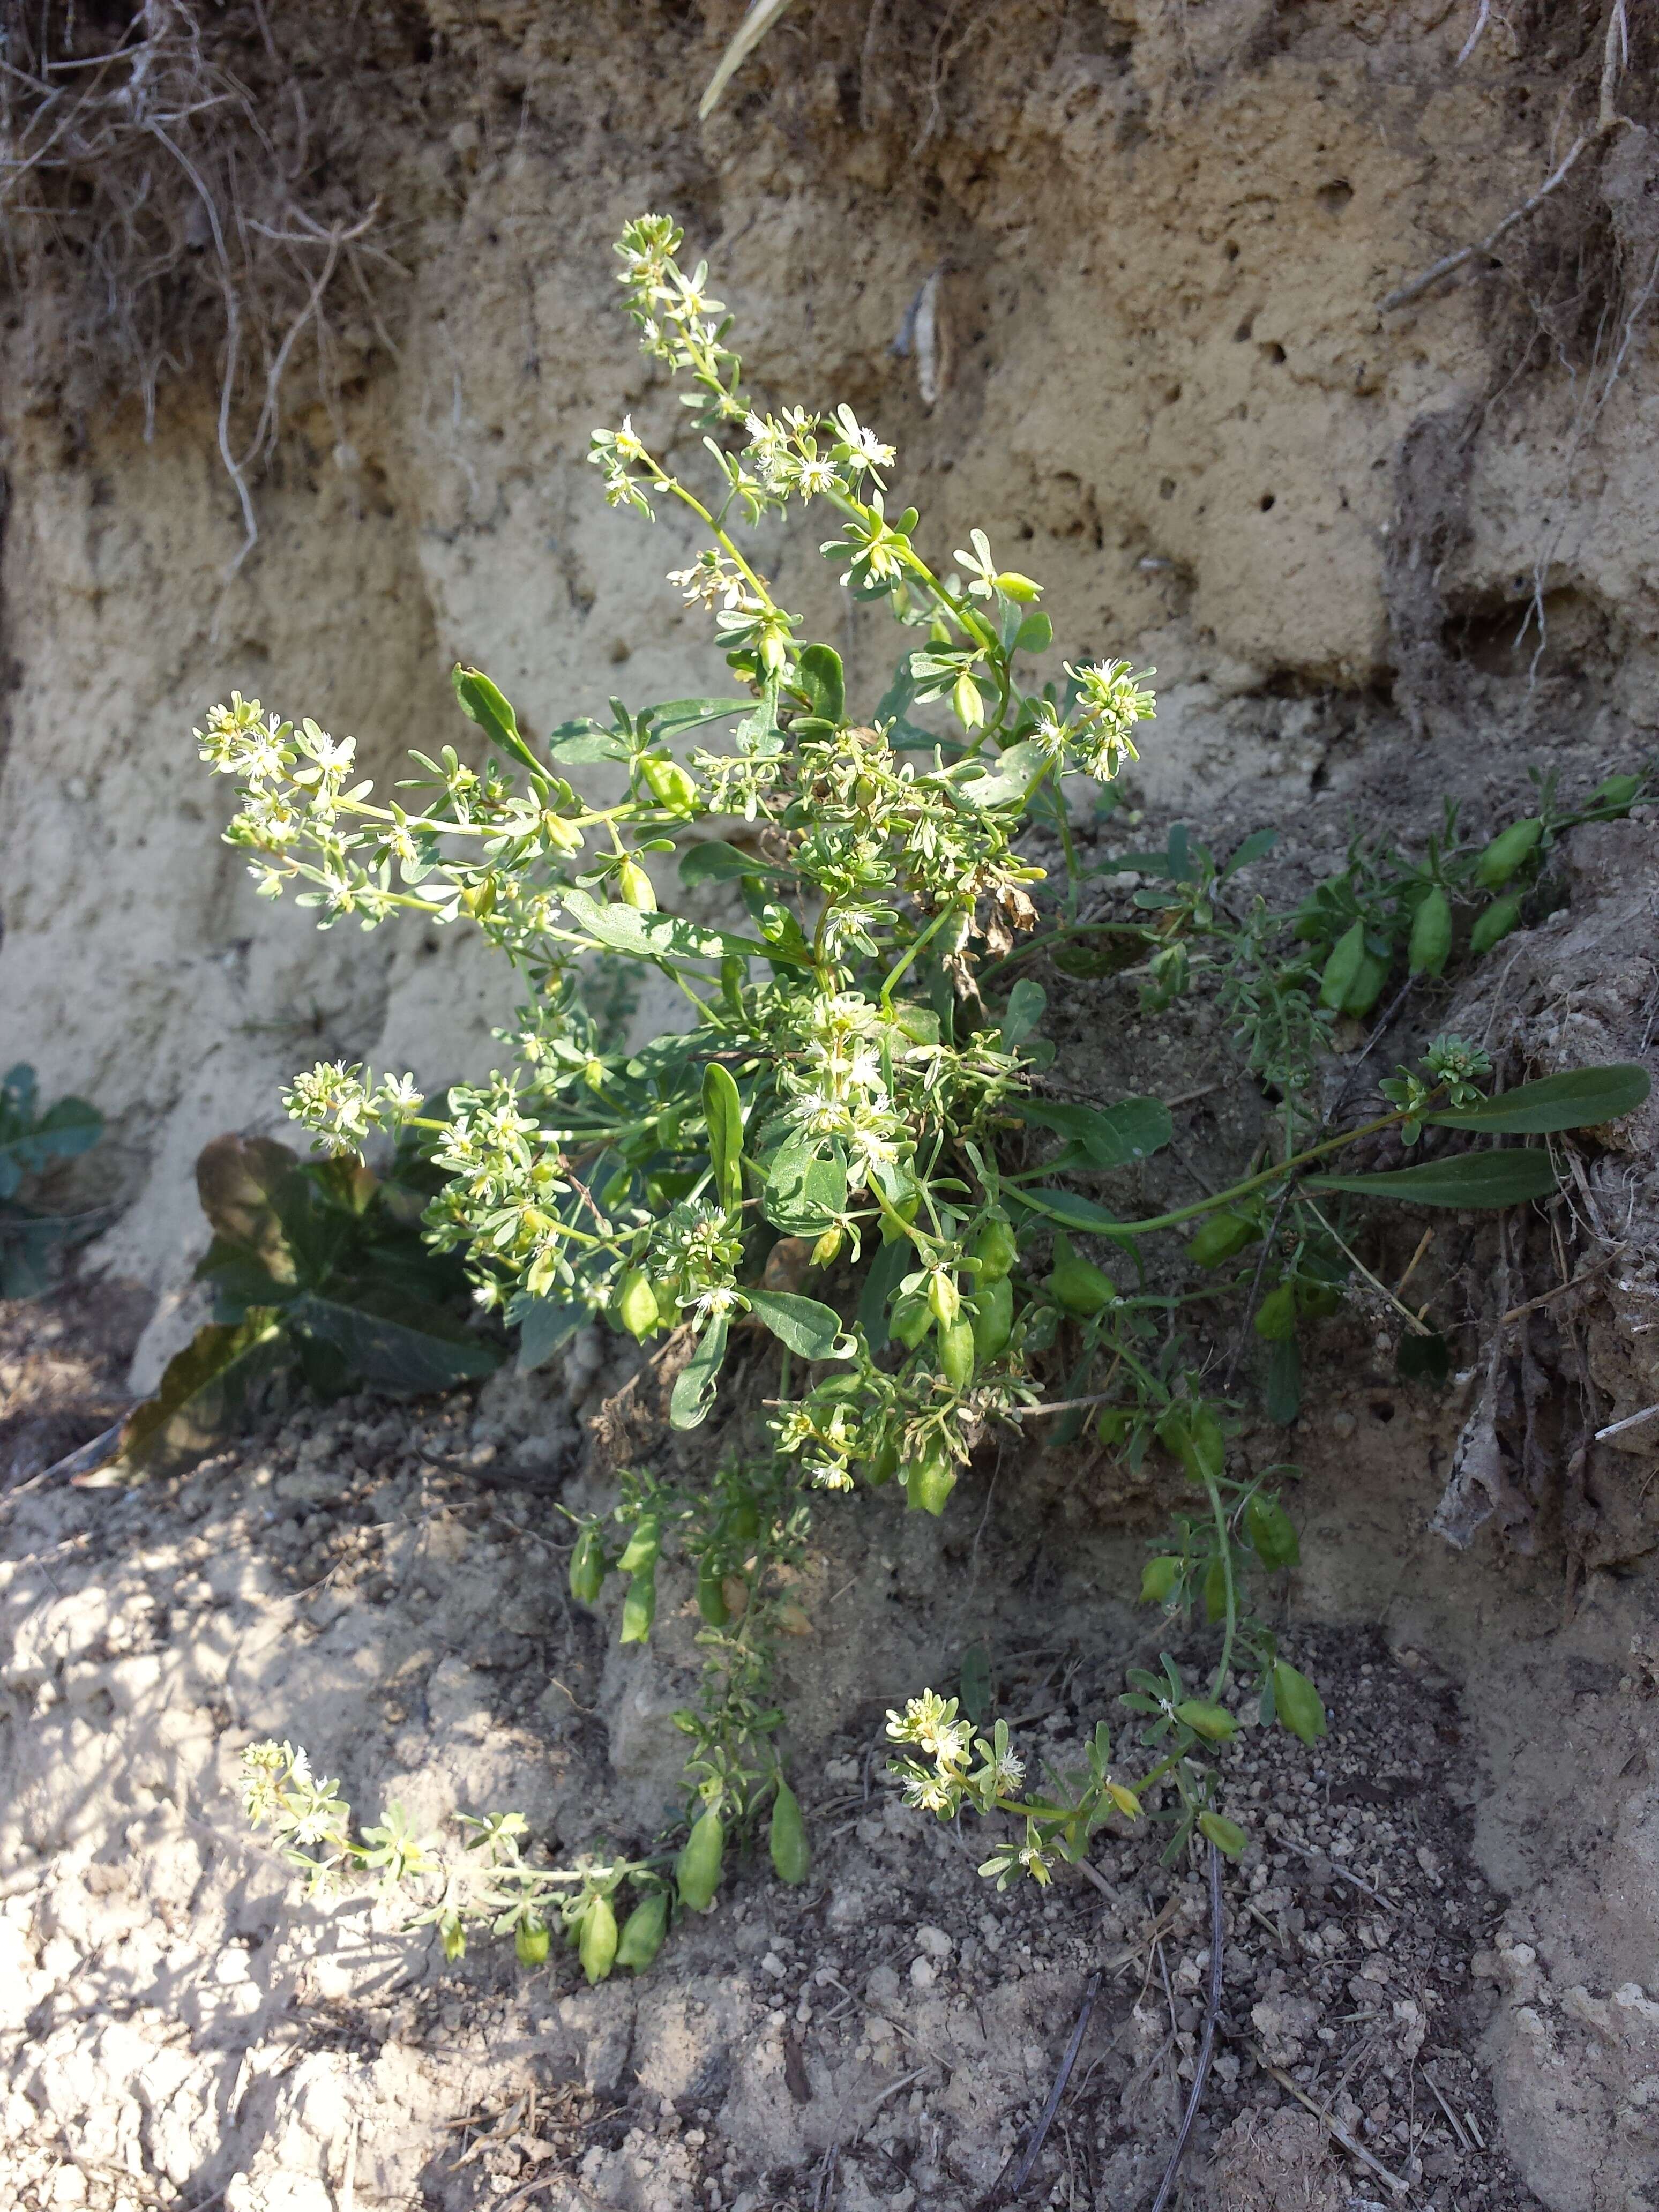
975 1683
237 1180
69 1127
891 1262
1027 1003
1103 953
710 861
679 715
824 682
1424 1359
805 1185
392 1343
240 1279
1469 1179
544 1325
1583 1098
1283 1391
804 1324
1255 846
1113 1136
206 1396
724 1110
1064 1206
694 1388
592 743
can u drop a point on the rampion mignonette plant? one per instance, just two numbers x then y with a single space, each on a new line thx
846 1081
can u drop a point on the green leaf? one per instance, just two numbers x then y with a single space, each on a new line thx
1113 1136
1283 1392
481 703
586 742
544 1325
1066 1207
711 861
1254 848
1583 1098
207 1395
975 1683
892 1263
694 1388
724 1110
1027 1003
1034 635
824 683
995 781
1423 1358
391 1342
679 715
238 1180
805 1185
1470 1179
240 1280
664 938
804 1324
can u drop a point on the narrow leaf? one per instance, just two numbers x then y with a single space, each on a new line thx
1583 1098
544 1325
1113 1136
724 1110
694 1388
393 1343
1471 1179
481 703
1027 1003
206 1396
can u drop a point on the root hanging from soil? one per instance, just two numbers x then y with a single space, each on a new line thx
163 177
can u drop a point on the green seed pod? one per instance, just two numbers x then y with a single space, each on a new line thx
1275 1317
665 1291
995 1247
1431 934
698 1868
642 1546
1077 1284
1367 986
597 1948
1297 1703
1272 1531
1158 1578
531 1940
1113 1425
1342 968
912 1318
634 887
639 1606
670 785
1226 1835
1214 1723
642 1931
1617 791
1499 920
711 1594
956 1352
1221 1238
563 837
744 1520
993 1316
1191 1432
635 1306
1507 852
930 1479
827 1249
588 1566
1013 586
791 1856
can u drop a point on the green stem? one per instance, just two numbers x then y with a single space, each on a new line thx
1275 1174
1218 1511
933 926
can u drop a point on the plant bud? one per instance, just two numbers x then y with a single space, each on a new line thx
792 1858
1499 920
588 1567
1221 1238
1013 586
562 836
635 1306
827 1250
1431 934
966 704
1508 852
453 1937
597 1948
531 1940
479 899
1076 1284
698 1868
944 1297
956 1352
993 1316
642 1931
634 887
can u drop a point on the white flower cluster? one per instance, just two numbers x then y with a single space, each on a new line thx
948 1744
344 1106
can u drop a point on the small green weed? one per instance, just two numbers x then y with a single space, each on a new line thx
30 1140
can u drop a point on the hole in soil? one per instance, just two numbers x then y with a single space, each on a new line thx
1275 354
1381 1409
1240 336
1268 502
1336 196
